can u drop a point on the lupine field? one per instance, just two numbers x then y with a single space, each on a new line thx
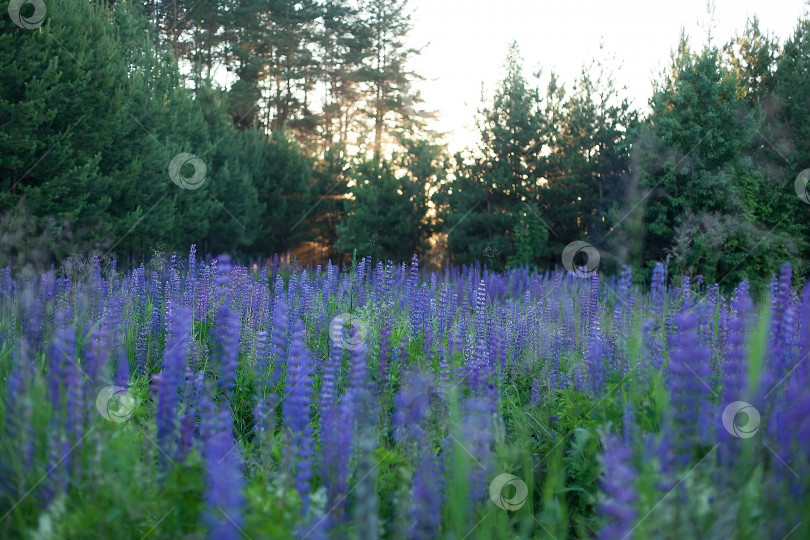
194 398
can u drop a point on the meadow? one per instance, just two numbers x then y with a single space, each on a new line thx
200 398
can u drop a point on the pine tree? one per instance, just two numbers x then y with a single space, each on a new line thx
499 191
390 90
381 219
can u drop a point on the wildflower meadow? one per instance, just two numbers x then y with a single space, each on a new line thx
203 398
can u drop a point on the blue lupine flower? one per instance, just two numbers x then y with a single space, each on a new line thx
617 508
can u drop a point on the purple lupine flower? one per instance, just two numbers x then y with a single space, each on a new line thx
630 428
658 287
223 476
427 497
593 300
444 374
96 357
296 413
584 317
427 342
260 364
782 344
331 372
18 422
735 364
61 354
226 332
203 288
385 356
617 507
117 345
169 381
412 408
690 372
142 351
595 361
192 392
413 298
537 391
478 368
74 425
337 431
480 308
226 348
791 414
621 312
358 376
443 312
278 338
192 261
477 439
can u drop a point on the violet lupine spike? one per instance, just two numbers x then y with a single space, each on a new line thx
227 330
444 373
226 347
18 422
168 387
499 350
278 340
74 426
690 373
260 363
97 356
537 392
61 354
584 317
596 361
794 413
427 497
117 346
442 313
142 351
593 300
192 393
427 342
412 407
413 299
191 269
476 432
622 310
480 308
337 433
629 426
331 372
735 366
296 413
617 508
359 382
384 362
223 475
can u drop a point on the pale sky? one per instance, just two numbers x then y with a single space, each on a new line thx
467 40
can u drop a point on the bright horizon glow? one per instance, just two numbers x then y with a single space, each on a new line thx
465 44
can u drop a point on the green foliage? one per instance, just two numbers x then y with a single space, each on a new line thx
712 206
383 219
